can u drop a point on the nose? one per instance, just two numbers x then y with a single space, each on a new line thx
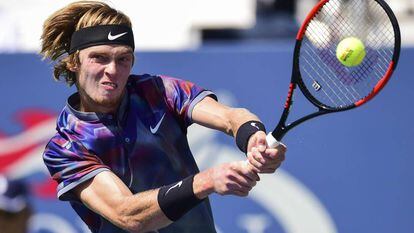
111 68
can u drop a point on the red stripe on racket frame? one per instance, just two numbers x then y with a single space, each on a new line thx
310 16
379 86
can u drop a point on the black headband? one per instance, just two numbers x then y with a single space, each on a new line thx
101 35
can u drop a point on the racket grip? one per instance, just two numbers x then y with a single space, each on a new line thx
271 141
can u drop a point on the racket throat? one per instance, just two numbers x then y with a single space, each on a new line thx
279 132
281 129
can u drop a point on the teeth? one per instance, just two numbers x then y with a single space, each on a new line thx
110 84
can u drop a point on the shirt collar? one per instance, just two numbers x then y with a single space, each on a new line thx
73 102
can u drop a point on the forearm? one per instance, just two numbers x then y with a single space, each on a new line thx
106 195
239 116
156 209
141 213
146 212
212 114
109 197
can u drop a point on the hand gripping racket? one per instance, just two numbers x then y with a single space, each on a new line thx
327 83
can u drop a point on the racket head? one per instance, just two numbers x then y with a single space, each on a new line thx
326 82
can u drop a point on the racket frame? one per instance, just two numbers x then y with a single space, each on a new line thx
281 129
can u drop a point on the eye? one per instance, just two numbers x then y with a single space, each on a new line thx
99 58
125 59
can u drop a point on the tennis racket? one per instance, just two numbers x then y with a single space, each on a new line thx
325 82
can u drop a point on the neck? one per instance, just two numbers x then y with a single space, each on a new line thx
88 105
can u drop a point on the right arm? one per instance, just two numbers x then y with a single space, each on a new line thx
109 197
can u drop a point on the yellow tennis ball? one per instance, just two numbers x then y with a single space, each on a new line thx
350 51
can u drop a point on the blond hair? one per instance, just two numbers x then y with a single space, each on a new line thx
59 27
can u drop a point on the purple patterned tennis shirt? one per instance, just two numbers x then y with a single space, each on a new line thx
144 144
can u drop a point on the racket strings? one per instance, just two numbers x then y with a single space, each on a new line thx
348 93
370 11
329 81
333 89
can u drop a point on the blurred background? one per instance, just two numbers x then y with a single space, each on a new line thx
348 172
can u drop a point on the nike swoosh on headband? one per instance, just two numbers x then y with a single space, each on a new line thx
114 37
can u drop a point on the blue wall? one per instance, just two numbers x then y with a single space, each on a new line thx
358 163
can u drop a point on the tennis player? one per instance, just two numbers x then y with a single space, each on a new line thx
120 154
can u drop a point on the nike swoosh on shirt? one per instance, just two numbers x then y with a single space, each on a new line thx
175 186
114 37
155 129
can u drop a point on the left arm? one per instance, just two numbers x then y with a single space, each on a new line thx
212 114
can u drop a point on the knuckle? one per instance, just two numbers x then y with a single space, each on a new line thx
260 166
251 160
228 173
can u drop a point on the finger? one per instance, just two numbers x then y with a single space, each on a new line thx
260 162
282 147
267 161
267 171
251 177
261 142
252 142
247 180
245 176
274 154
240 193
268 164
255 166
241 188
238 186
257 155
251 171
270 169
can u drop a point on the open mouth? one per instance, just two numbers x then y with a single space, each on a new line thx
110 85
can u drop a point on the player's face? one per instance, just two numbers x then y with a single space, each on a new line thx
102 76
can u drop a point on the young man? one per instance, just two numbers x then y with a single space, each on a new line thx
120 154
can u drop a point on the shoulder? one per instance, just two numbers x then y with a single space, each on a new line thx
147 83
144 81
56 146
59 140
150 78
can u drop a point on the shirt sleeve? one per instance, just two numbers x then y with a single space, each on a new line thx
70 164
182 96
